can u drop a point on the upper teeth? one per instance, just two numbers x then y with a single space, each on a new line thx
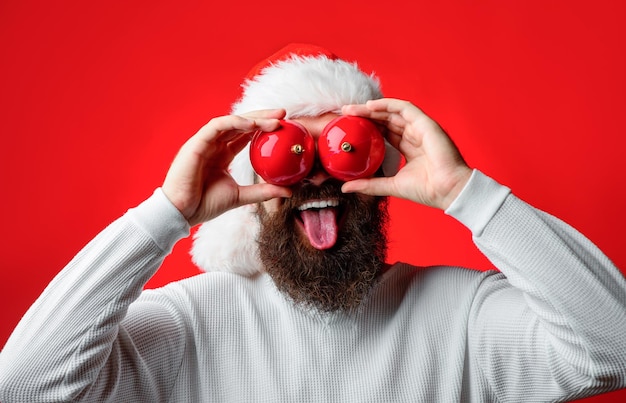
319 204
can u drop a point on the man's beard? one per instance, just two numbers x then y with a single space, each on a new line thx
335 279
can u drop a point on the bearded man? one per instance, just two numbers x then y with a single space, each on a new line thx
298 303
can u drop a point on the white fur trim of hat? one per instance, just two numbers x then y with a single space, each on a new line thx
305 80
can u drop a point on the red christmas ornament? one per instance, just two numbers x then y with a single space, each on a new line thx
351 148
285 156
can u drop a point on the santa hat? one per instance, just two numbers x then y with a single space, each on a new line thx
305 80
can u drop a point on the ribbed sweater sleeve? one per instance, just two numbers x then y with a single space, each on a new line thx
551 326
560 331
71 334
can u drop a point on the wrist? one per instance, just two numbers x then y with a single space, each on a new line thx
454 185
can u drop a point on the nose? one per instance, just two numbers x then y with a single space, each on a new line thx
317 176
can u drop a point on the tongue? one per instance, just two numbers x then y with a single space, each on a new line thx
321 227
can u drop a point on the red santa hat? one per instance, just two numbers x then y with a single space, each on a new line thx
305 80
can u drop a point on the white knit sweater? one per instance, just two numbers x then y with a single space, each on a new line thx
550 326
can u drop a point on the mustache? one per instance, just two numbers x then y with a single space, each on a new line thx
329 189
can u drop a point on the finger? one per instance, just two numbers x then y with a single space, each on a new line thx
387 117
356 110
266 114
372 187
261 192
363 111
406 109
227 128
267 124
236 145
259 124
394 135
388 104
216 126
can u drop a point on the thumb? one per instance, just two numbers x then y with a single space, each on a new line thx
371 187
261 192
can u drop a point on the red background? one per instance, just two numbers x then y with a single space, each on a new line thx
96 98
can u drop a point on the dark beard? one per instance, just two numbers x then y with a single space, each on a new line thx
336 279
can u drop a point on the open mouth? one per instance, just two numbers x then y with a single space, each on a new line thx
320 221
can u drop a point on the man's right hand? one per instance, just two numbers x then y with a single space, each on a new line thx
198 182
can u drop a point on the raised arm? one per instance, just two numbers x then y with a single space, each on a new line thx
70 345
553 325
